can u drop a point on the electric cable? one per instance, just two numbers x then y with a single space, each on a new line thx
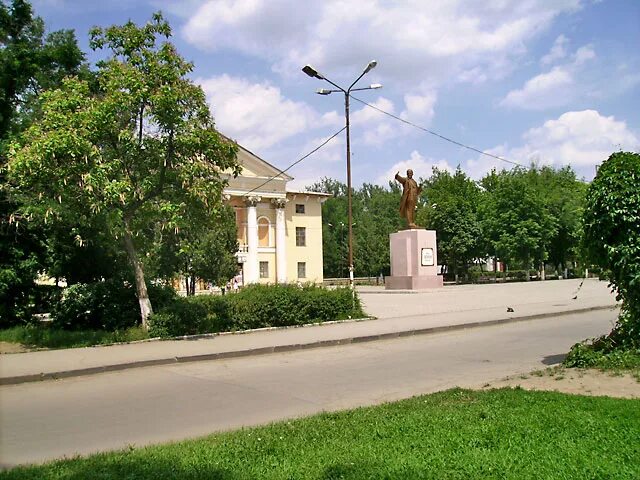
280 172
437 134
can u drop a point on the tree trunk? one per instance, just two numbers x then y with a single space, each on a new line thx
193 284
141 286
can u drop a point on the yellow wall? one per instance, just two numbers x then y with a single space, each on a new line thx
311 254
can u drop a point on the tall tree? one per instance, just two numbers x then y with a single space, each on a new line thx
29 63
206 252
142 151
451 209
612 238
563 195
514 218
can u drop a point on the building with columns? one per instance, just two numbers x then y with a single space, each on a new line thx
279 230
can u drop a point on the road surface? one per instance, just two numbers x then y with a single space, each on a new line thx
51 419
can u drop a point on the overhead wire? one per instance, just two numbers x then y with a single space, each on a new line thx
280 172
437 134
396 117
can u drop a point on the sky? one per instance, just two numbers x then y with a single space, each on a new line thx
553 82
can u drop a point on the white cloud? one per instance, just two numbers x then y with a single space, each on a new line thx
554 88
540 92
558 51
584 54
434 40
581 139
419 108
257 114
421 166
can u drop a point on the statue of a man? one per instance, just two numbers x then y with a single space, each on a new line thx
410 193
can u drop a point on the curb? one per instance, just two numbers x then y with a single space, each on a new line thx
285 348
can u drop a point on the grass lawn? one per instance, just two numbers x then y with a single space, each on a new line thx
42 336
457 434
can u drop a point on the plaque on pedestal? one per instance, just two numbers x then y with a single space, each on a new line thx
414 260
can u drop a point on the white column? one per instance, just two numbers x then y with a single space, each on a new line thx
252 268
281 244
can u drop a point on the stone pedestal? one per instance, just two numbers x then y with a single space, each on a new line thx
414 260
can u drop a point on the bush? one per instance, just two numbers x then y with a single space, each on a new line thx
612 237
46 297
255 306
44 335
108 305
182 317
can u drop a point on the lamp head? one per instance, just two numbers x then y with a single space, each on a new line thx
372 64
375 86
312 72
323 91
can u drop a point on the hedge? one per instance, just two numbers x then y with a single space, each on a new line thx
108 305
255 306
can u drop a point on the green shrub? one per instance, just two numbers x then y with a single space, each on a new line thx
47 336
259 306
255 306
45 298
612 237
183 316
109 305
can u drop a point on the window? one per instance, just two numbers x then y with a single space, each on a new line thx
301 236
264 269
263 232
299 208
302 270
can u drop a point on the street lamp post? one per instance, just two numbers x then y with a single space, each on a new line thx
312 72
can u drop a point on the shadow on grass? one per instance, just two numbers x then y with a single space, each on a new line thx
130 468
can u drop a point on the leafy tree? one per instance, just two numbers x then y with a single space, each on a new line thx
29 63
514 218
376 217
334 227
612 237
207 252
143 151
563 196
451 209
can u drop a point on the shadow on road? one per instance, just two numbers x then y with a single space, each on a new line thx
554 359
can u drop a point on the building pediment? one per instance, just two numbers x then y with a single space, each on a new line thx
255 172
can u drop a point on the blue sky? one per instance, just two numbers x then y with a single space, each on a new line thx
549 81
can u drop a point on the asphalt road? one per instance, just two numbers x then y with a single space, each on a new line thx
51 419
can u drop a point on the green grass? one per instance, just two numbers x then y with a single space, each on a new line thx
457 434
616 361
43 336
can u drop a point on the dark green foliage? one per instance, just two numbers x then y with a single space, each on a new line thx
451 209
612 242
205 251
375 216
612 237
29 63
108 305
282 305
255 306
46 336
457 434
515 221
181 317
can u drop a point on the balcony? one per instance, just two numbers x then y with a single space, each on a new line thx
242 253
